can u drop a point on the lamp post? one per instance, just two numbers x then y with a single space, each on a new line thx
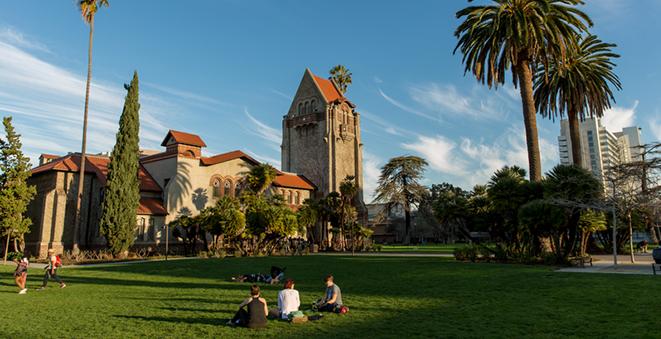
614 228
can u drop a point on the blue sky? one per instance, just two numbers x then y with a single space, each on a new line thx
227 70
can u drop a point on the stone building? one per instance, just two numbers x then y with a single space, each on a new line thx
178 180
321 146
321 136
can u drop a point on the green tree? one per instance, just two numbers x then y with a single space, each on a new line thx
308 216
450 206
399 186
518 34
572 188
578 86
508 190
591 221
15 193
122 191
88 9
224 220
260 177
341 76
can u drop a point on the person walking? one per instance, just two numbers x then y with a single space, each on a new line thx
54 262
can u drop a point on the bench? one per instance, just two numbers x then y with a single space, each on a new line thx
580 261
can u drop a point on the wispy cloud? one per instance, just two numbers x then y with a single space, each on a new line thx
448 101
384 125
408 109
617 117
271 135
281 94
47 103
17 38
655 127
265 159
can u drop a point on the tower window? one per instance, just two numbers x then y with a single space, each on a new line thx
216 188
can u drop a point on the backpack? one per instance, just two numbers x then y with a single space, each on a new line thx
58 261
342 310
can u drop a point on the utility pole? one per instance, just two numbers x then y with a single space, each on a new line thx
614 229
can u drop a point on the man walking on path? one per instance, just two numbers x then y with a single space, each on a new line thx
54 263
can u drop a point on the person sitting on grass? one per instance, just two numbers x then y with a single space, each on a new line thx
255 316
288 300
333 297
54 263
21 274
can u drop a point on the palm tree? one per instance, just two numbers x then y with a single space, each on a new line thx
518 34
341 76
88 10
399 186
260 177
578 86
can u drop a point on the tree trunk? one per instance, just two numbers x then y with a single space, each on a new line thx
529 118
81 176
407 230
633 258
7 246
575 136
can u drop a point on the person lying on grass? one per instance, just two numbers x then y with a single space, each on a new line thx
288 300
54 263
332 299
255 316
276 275
21 274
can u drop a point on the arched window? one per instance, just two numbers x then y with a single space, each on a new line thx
313 106
300 108
140 230
151 230
216 188
228 188
307 107
298 198
290 197
238 187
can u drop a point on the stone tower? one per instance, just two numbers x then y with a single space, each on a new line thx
321 136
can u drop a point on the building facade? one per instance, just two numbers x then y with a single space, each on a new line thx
600 148
176 181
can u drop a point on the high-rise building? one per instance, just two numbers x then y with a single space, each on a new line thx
600 148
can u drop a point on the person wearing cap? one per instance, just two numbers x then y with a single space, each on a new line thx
51 270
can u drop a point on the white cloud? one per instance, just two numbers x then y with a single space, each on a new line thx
384 125
617 118
447 100
440 153
371 173
474 161
264 131
281 94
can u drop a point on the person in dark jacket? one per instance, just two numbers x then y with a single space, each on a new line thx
252 311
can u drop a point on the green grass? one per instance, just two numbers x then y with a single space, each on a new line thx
429 248
388 296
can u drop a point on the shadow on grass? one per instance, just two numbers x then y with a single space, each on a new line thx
203 321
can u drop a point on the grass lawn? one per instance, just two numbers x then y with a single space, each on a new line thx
388 296
429 248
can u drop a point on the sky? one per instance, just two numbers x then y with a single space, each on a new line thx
227 70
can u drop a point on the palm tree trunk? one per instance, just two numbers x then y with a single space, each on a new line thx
633 258
575 136
529 118
81 175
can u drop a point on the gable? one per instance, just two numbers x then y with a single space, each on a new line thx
308 91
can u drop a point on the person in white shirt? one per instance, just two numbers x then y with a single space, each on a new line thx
288 299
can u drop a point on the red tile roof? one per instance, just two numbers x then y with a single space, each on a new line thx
217 159
184 138
97 165
151 206
329 90
291 180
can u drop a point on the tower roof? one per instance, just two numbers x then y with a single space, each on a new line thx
183 138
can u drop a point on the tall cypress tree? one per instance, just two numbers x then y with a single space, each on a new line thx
122 191
15 194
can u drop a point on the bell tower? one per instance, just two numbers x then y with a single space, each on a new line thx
321 136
